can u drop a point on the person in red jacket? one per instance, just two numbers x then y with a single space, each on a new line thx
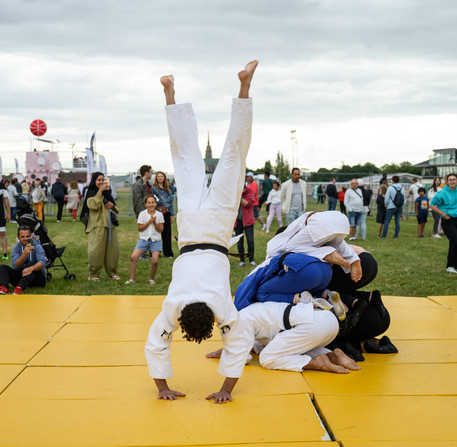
245 223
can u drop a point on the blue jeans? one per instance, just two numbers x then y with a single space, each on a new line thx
389 213
332 201
362 226
292 215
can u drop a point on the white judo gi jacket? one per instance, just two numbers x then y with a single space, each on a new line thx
320 235
291 349
206 216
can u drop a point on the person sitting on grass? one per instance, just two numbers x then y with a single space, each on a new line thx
29 265
421 208
150 225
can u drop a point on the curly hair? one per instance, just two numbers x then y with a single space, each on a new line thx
196 321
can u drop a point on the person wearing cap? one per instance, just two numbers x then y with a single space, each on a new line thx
293 196
252 185
199 294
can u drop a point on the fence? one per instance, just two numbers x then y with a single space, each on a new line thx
125 205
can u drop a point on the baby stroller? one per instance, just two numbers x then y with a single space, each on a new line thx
38 228
23 207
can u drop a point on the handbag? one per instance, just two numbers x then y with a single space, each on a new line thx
113 218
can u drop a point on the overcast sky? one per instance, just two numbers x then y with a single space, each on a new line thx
359 81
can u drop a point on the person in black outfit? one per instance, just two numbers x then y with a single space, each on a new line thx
332 194
367 315
59 191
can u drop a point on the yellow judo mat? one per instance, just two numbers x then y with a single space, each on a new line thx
73 373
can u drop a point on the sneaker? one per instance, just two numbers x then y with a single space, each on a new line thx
130 281
338 306
242 264
58 221
17 290
264 227
252 263
4 290
93 278
5 256
436 236
152 282
115 277
267 231
352 239
451 270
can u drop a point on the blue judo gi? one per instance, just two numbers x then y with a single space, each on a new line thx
271 282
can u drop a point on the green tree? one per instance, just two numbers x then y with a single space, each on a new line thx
282 167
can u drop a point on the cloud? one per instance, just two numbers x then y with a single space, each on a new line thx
326 66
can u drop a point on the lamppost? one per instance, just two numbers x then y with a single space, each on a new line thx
293 137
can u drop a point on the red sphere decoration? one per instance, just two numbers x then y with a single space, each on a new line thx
38 128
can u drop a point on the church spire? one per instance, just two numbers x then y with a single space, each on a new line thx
209 151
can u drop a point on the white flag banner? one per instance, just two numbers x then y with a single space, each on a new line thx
90 163
1 168
16 164
102 165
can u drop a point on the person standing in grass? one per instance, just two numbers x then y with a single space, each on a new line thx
150 225
434 188
381 213
445 204
274 200
166 207
103 246
421 205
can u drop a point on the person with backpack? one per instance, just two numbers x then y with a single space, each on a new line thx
394 201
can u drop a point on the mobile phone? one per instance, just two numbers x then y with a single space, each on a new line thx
30 241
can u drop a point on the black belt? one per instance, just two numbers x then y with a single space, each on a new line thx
286 316
189 248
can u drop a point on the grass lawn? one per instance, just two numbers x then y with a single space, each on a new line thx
408 266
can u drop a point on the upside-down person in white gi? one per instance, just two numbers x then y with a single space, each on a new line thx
199 294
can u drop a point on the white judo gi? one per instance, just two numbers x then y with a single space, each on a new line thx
291 349
206 216
320 235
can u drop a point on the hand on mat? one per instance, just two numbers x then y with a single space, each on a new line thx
167 394
222 397
214 354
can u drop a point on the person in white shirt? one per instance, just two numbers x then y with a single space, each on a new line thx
293 196
199 294
150 225
353 201
274 200
414 189
292 337
319 234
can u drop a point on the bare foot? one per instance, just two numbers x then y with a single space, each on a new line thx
323 363
335 258
168 83
245 77
338 357
214 354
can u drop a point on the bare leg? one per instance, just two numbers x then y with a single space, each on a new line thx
338 357
4 242
154 263
214 354
323 363
335 258
134 262
245 77
352 232
168 83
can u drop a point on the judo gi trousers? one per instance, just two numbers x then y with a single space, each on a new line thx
293 349
191 181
